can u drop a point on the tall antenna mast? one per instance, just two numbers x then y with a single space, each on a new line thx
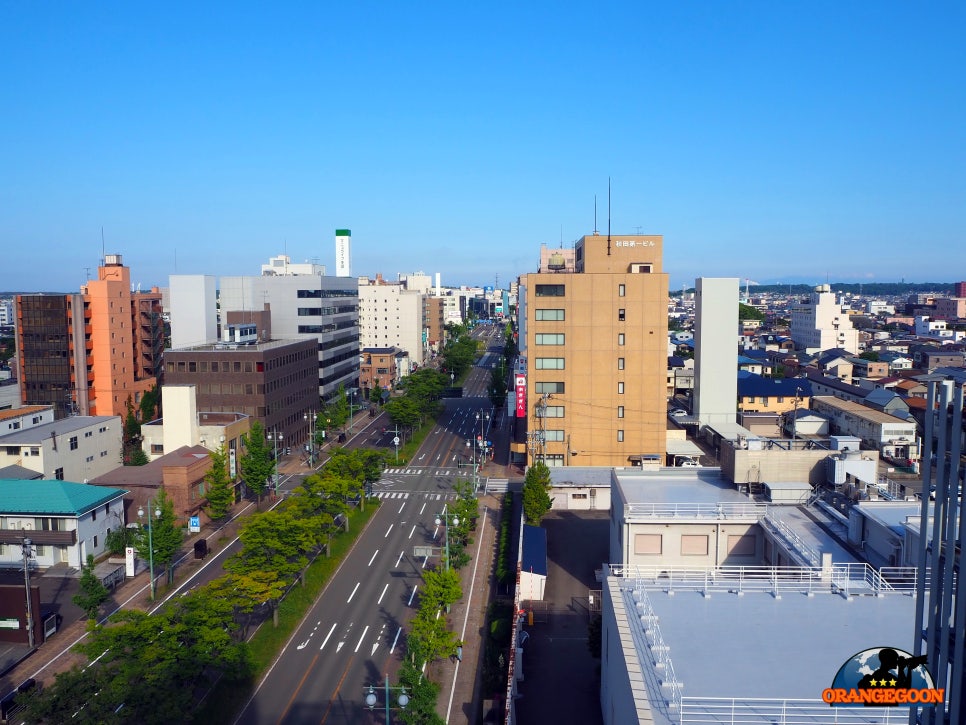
103 249
595 213
608 216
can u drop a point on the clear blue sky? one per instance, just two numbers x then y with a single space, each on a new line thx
764 140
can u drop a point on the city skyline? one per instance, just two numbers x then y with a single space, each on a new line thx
774 143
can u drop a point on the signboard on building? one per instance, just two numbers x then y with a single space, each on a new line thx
520 384
194 524
232 469
129 561
343 251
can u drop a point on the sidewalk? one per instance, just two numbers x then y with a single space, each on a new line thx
460 696
18 663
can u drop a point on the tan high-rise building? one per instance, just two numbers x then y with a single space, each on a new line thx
595 343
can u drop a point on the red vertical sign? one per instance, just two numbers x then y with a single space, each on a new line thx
521 388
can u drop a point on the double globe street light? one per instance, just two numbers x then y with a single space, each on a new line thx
372 698
444 519
157 515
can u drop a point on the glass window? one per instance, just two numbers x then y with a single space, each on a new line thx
620 338
549 363
550 290
549 388
550 411
620 436
620 411
553 436
620 315
549 338
648 544
549 316
621 290
73 443
620 388
620 363
694 544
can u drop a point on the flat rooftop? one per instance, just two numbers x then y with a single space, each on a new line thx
742 650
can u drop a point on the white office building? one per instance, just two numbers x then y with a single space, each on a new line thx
715 350
819 323
192 309
70 449
391 316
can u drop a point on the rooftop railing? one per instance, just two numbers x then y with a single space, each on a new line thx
754 711
695 511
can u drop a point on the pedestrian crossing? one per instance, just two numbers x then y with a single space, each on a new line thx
427 495
424 470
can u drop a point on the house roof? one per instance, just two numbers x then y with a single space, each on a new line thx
881 397
25 410
19 496
151 474
24 474
745 360
534 559
39 433
760 386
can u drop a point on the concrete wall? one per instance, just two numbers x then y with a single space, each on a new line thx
723 541
746 466
716 349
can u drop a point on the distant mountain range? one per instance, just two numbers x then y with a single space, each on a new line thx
866 289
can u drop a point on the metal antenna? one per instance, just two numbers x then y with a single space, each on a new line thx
608 216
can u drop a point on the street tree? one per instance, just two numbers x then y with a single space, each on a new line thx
536 493
92 592
165 537
403 411
218 485
273 541
257 465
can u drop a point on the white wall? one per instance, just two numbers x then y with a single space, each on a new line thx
193 310
716 351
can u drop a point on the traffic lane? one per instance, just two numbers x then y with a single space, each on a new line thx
361 609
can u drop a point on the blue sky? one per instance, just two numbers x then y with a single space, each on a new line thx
764 140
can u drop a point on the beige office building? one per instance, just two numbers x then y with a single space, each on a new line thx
595 342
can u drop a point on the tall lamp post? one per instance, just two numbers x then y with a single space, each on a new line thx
444 519
484 419
25 549
311 445
372 698
276 437
157 515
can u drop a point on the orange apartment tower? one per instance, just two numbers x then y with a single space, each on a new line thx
88 353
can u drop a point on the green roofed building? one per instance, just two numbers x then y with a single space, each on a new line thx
64 521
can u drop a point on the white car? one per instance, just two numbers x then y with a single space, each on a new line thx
678 413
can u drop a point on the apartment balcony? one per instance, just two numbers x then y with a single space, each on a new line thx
44 538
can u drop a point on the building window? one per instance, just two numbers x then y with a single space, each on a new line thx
620 436
550 388
553 459
553 436
93 514
549 316
95 541
550 411
620 315
621 290
620 338
578 496
620 363
59 474
620 411
549 363
556 338
620 388
742 545
550 290
694 544
648 544
73 443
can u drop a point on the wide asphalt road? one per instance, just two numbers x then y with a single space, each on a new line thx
354 635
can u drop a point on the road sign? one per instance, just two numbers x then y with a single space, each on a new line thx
395 441
425 551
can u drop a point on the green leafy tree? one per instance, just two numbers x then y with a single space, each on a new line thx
257 465
138 457
165 536
441 588
117 540
242 593
423 694
403 412
375 395
218 485
92 592
150 401
536 493
870 355
747 312
273 541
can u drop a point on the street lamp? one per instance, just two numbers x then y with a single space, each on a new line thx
372 698
484 419
444 518
25 549
311 445
157 514
276 437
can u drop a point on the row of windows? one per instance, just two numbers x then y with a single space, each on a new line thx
549 338
694 544
306 294
560 290
557 363
320 329
554 315
325 311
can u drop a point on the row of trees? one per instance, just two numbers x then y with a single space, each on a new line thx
155 668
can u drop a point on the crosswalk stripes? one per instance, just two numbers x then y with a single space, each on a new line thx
429 495
420 471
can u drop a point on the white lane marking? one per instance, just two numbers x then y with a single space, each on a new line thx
383 593
327 636
303 645
400 558
436 531
353 593
415 587
395 639
422 509
361 638
373 558
374 648
401 508
339 646
386 535
425 559
412 532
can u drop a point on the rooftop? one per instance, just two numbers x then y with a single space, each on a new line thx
19 496
64 426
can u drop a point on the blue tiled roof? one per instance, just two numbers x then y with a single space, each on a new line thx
534 558
18 496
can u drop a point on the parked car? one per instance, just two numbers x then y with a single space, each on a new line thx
678 413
